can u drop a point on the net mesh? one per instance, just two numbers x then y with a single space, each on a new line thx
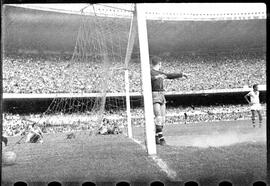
97 72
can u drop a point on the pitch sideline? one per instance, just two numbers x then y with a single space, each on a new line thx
162 164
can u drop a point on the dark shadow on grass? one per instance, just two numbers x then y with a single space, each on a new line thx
225 183
20 183
157 183
259 183
88 184
191 183
54 183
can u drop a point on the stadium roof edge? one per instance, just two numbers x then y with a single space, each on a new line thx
107 11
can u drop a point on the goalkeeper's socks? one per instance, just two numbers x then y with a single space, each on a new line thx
253 122
161 138
260 123
159 135
159 131
157 140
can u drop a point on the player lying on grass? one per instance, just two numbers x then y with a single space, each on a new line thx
35 135
4 140
159 101
254 103
109 127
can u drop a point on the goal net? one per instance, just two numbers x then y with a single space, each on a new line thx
96 72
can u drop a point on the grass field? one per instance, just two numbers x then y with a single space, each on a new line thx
203 152
210 152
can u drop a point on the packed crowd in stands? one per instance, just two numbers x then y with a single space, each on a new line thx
14 124
29 73
25 73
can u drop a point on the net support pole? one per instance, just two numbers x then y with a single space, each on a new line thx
128 105
146 81
131 39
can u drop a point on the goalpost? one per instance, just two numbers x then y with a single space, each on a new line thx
131 40
102 53
146 81
139 23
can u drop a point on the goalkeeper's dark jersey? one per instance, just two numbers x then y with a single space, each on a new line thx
157 83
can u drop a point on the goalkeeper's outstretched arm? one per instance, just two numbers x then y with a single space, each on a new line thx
170 75
176 75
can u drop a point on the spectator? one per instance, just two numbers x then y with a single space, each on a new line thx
47 74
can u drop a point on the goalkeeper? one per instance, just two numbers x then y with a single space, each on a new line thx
159 102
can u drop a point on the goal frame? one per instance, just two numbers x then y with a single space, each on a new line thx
138 25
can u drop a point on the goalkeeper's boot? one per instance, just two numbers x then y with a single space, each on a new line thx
157 140
253 124
159 135
162 141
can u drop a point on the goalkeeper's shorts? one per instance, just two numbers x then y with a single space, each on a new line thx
158 97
